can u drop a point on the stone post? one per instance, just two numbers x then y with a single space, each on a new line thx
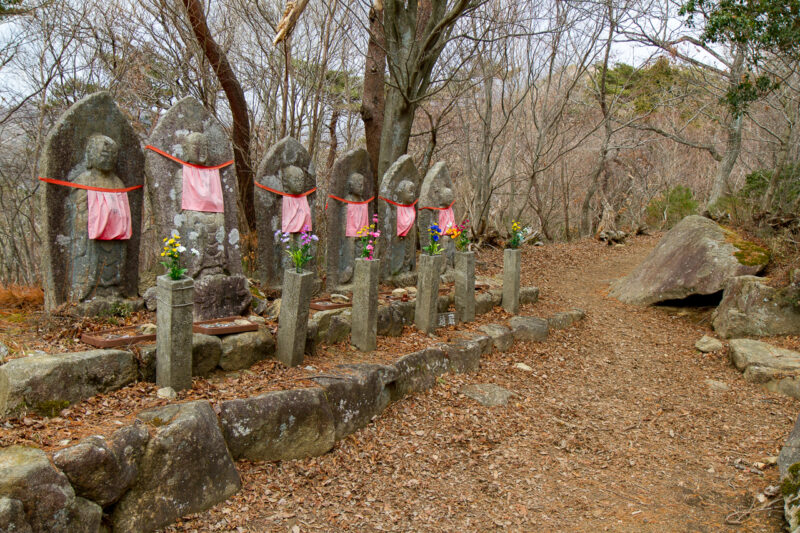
426 314
511 265
174 333
364 331
465 286
293 318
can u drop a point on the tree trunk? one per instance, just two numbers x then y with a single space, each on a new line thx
235 95
334 139
372 102
398 119
733 143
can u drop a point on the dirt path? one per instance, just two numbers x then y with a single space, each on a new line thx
615 429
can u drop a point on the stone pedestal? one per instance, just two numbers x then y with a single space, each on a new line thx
465 286
364 331
511 265
426 313
174 333
293 318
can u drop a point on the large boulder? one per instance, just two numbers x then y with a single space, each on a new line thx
776 369
277 426
49 383
102 469
417 372
186 468
749 307
789 469
12 516
355 397
697 256
48 500
529 328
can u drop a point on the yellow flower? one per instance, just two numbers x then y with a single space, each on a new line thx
165 239
163 254
171 241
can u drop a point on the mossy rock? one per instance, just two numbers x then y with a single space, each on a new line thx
748 253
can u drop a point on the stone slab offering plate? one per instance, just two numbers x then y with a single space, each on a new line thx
110 338
224 326
324 304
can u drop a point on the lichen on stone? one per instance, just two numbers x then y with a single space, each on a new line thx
748 253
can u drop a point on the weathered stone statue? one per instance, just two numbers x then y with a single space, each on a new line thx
436 201
285 199
192 189
351 180
93 167
397 215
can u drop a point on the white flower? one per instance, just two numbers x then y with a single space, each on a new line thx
194 251
181 249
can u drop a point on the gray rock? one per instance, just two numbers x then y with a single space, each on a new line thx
484 342
47 384
523 366
750 307
12 516
529 328
77 268
694 257
717 385
708 344
401 184
3 352
417 372
166 393
146 362
565 319
47 498
790 452
206 353
462 357
502 337
390 323
278 170
789 469
189 132
102 469
487 394
351 179
528 295
484 303
243 350
354 398
151 298
775 369
277 426
186 468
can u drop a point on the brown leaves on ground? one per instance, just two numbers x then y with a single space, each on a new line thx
614 429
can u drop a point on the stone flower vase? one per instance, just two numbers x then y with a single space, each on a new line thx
511 265
364 332
174 333
426 314
465 286
293 318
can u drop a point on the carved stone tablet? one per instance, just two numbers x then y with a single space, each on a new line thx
437 191
400 184
92 144
188 132
286 167
351 179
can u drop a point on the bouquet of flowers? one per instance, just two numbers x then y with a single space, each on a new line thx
459 234
517 235
299 249
367 235
434 248
172 253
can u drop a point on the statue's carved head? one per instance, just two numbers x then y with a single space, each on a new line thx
406 192
101 153
356 183
294 180
445 196
195 148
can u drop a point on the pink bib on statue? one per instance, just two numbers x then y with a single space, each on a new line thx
357 218
406 215
202 190
295 214
446 219
109 215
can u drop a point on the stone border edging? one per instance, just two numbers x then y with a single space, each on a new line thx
185 462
